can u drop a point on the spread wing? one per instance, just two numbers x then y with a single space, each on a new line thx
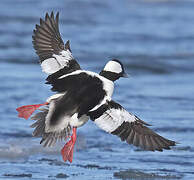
114 119
54 55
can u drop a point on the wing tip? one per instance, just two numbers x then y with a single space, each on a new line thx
57 14
67 45
52 15
143 137
46 16
47 34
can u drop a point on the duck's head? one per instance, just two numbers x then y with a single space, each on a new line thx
113 70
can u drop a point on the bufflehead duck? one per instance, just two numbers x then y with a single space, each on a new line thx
81 95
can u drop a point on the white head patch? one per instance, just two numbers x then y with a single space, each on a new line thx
113 66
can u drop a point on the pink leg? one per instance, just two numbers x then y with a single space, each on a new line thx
67 150
26 111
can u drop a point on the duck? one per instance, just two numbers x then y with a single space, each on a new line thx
80 96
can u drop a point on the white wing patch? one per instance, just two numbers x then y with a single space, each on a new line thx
113 118
66 54
57 62
50 66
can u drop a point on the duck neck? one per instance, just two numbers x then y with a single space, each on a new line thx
110 75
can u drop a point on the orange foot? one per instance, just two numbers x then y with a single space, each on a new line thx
26 111
67 150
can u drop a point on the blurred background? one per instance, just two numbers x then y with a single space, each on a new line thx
155 41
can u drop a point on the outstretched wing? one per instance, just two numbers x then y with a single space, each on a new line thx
54 55
114 119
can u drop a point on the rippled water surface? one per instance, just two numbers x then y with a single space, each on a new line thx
155 41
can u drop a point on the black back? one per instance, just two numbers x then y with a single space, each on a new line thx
83 92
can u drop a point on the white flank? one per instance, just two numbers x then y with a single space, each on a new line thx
113 66
113 118
62 124
75 122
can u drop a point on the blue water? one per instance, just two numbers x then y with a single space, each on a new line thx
155 41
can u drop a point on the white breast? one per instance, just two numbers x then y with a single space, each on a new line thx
108 86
